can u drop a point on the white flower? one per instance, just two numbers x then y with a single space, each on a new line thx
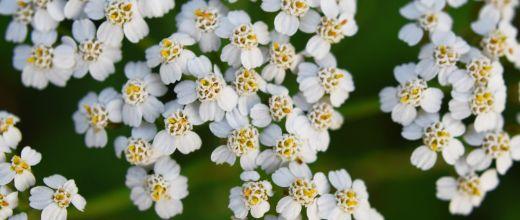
480 71
280 105
375 215
456 3
178 130
413 92
498 40
427 16
19 169
137 148
48 14
330 29
19 216
22 12
303 188
172 56
8 202
497 10
95 113
165 186
466 191
252 197
282 57
314 82
140 94
75 9
244 38
350 198
56 198
486 103
10 135
210 90
285 147
287 21
122 19
247 83
155 8
438 136
42 62
199 19
493 145
242 140
441 56
94 56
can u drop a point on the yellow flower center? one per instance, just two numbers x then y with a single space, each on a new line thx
321 116
303 191
178 123
18 165
255 193
90 50
330 78
288 147
330 29
295 7
495 45
282 55
3 203
411 92
446 56
480 71
170 50
482 101
347 200
41 56
244 140
138 152
206 19
280 106
62 198
157 187
244 37
134 92
497 144
97 115
470 185
6 123
209 87
119 12
436 137
24 13
429 21
246 81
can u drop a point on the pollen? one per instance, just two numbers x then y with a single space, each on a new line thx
303 191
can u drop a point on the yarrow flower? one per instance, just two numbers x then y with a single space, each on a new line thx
42 63
10 135
252 196
137 149
413 92
200 19
291 14
56 197
437 136
19 169
349 200
164 186
94 55
304 190
22 13
245 38
282 58
140 94
8 202
466 191
428 16
279 106
95 113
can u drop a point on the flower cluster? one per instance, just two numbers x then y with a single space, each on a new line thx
264 125
16 172
474 78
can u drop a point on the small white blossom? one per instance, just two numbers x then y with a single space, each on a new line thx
140 94
493 145
199 19
19 169
8 202
94 56
245 38
287 21
438 136
349 200
316 81
499 40
412 93
252 197
441 56
95 113
304 190
209 93
242 140
428 16
172 56
155 8
178 130
42 62
137 148
282 58
122 19
19 216
164 186
22 12
56 197
247 83
466 191
279 106
10 135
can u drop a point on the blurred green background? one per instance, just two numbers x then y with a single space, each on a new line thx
369 145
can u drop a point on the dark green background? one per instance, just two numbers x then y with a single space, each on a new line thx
369 145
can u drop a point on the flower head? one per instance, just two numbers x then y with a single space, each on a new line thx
19 169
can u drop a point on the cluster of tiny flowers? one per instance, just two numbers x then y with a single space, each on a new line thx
262 125
474 78
16 173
